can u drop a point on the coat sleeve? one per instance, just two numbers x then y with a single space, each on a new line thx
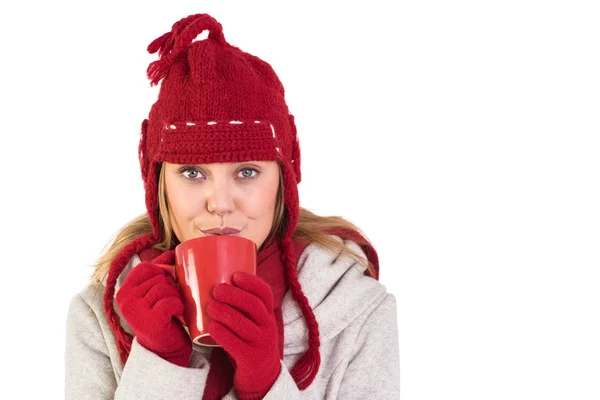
146 376
89 373
88 370
373 371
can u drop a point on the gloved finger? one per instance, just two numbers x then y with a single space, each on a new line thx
140 290
160 292
255 285
141 273
244 301
171 306
130 293
225 338
168 257
234 320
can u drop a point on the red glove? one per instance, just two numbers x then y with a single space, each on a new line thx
150 303
243 323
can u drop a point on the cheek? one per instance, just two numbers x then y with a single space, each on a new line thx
262 201
184 202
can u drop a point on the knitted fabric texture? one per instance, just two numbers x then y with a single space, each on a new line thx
216 103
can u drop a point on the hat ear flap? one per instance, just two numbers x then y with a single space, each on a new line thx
142 155
295 149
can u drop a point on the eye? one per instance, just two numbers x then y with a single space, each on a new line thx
248 173
191 173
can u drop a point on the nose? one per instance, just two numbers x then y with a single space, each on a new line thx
220 199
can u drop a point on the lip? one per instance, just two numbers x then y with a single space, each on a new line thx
224 231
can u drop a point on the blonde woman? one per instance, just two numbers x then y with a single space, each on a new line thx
219 155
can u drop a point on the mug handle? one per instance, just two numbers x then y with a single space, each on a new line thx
170 270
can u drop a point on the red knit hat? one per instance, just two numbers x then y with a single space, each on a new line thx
216 103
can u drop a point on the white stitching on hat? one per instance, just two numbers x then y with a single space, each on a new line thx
278 149
174 126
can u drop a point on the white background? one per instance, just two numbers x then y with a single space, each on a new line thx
461 136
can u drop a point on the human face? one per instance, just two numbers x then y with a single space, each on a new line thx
203 198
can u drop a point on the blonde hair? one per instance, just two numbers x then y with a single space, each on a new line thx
311 228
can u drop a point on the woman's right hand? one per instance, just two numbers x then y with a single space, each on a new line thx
150 303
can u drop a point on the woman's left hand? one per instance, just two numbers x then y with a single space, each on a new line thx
243 323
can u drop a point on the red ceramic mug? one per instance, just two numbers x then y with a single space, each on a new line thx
201 263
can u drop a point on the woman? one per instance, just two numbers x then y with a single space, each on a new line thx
219 155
